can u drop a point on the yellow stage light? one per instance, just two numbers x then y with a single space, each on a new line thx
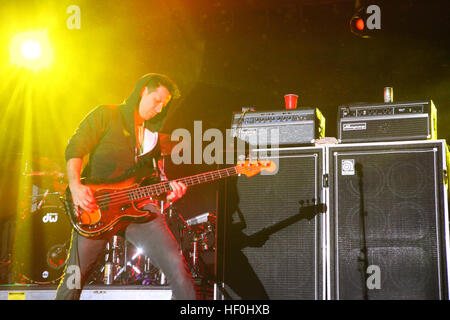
31 50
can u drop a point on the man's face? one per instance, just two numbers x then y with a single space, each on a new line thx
153 102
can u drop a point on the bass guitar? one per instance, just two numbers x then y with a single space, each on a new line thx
122 203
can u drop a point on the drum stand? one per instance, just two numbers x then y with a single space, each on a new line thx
111 261
119 266
183 228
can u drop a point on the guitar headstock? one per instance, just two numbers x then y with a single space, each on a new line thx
253 167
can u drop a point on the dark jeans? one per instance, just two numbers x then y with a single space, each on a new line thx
156 241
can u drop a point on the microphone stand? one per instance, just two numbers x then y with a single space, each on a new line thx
364 260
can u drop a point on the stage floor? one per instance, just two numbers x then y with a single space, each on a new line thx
97 292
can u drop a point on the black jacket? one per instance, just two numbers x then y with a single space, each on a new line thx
107 135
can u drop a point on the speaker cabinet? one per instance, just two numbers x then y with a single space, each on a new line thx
388 222
270 233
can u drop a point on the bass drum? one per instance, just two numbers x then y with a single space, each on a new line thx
41 245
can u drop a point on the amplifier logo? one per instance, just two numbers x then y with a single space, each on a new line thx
50 217
354 126
348 167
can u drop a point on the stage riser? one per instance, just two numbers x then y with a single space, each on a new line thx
116 293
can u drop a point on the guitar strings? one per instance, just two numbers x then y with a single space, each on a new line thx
162 186
153 190
156 189
146 191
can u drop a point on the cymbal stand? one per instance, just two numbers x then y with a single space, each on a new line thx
41 203
194 255
111 261
123 269
183 228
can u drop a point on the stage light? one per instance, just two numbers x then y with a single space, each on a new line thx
360 24
31 50
366 20
139 251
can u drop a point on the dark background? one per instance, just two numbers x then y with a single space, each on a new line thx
224 55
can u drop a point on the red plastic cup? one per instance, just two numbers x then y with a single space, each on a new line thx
290 101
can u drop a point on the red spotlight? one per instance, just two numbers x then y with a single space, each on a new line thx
366 20
360 24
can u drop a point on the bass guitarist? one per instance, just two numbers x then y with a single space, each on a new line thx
114 138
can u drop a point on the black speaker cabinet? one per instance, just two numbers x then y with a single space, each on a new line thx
269 234
388 221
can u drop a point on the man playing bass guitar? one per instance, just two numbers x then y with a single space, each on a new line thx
114 137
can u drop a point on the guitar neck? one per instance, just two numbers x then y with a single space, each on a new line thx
162 187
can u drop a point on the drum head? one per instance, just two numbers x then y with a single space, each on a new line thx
41 245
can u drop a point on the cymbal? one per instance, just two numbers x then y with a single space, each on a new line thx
53 174
41 164
44 172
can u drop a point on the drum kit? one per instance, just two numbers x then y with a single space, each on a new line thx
43 234
198 243
125 264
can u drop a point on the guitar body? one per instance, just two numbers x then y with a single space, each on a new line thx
115 209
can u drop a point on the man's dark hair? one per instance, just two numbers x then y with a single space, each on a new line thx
152 81
156 80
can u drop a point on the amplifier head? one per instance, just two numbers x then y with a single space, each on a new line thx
279 127
387 122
